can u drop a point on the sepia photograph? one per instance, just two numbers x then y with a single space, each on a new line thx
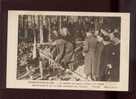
68 50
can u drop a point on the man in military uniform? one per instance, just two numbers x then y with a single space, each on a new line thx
64 49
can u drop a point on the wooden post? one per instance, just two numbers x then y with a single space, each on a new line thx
60 24
41 29
25 27
41 69
34 33
34 45
49 29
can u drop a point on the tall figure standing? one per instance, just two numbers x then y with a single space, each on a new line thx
89 50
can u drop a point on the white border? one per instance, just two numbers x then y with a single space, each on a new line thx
12 43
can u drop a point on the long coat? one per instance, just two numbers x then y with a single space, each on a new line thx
99 49
106 58
65 51
89 49
115 62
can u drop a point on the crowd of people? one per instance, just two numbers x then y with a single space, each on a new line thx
100 52
96 49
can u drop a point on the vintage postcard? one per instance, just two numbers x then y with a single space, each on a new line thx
68 50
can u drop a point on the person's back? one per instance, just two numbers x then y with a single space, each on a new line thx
89 50
92 42
60 47
68 53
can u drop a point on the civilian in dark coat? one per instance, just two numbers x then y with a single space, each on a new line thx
115 58
106 58
99 50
